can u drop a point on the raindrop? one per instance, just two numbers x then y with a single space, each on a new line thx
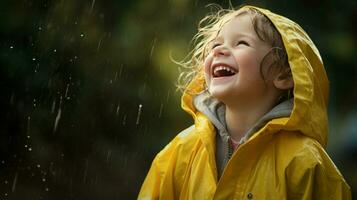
14 182
28 137
37 67
39 28
55 50
33 59
53 106
161 108
118 109
66 93
34 102
11 47
43 180
82 35
139 113
152 47
47 189
6 182
58 117
3 162
30 149
25 145
38 165
5 194
100 41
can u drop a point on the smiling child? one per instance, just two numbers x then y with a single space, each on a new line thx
258 95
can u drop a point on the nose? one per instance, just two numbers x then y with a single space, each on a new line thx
221 51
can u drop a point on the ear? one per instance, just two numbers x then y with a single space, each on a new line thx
284 80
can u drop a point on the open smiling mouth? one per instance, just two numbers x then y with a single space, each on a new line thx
223 71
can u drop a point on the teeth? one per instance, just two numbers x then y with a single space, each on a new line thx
216 69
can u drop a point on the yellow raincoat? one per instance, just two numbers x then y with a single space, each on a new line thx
285 159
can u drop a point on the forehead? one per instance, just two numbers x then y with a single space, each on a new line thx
240 23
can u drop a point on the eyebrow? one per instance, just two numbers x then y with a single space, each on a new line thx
238 34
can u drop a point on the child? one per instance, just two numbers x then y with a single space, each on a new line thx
258 100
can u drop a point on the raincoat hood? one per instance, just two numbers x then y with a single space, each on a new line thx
311 85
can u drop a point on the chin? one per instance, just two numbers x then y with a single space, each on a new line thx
220 94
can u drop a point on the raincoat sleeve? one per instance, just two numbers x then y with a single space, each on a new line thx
153 183
164 179
312 175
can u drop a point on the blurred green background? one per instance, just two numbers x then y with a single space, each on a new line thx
88 92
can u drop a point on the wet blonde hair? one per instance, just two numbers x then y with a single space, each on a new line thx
208 29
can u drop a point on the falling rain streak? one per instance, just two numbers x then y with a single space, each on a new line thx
152 48
53 106
139 114
14 182
58 117
118 109
161 108
66 93
100 42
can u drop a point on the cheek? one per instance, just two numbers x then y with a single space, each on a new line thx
208 63
207 66
248 63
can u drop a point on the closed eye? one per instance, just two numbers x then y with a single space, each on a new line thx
242 42
215 45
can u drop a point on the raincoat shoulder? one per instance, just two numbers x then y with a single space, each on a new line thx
311 174
299 169
167 172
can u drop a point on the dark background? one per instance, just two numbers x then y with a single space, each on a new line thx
88 92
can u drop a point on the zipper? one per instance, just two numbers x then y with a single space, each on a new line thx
227 153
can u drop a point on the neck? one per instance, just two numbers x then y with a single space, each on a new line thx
240 118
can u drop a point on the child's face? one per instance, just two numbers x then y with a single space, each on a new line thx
232 67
